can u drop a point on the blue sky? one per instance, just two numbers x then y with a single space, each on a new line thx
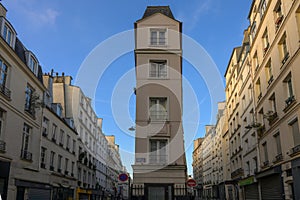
62 33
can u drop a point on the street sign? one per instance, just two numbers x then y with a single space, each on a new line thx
191 183
123 177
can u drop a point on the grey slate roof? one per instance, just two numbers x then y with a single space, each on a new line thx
165 10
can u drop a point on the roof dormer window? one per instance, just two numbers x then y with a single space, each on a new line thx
32 62
8 33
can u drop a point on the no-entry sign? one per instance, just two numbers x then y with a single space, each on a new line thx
191 183
123 177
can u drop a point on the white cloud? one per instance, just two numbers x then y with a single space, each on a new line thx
198 10
37 14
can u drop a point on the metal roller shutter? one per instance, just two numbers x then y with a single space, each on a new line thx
251 192
38 194
271 188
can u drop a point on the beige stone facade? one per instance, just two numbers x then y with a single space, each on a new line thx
159 148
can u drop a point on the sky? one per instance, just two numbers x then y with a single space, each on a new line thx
64 34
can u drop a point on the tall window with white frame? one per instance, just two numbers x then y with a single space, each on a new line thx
59 160
54 129
52 157
158 108
263 8
61 137
8 34
298 21
289 88
32 64
278 156
265 40
29 100
68 143
158 37
66 166
278 15
294 126
258 89
269 73
283 49
158 69
3 79
25 154
158 152
45 126
273 112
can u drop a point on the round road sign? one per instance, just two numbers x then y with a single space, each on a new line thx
123 177
191 183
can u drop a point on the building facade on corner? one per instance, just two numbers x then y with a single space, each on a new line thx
160 164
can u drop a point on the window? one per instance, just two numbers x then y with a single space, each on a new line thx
8 34
289 89
32 64
272 100
45 126
54 127
158 36
68 142
278 15
265 151
72 168
265 40
52 156
74 146
43 157
2 113
283 49
59 163
298 21
278 143
158 69
269 74
158 108
258 89
255 60
61 137
3 78
253 30
29 100
262 8
66 165
248 168
25 154
158 153
295 130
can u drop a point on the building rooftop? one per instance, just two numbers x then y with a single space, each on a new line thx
165 10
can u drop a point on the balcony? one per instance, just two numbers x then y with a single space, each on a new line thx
265 164
2 146
5 91
278 158
289 102
278 22
261 130
270 80
272 118
295 150
43 165
237 173
286 57
26 155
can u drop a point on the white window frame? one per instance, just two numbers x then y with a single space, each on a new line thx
157 109
45 126
157 152
157 38
26 137
32 62
8 27
3 73
158 73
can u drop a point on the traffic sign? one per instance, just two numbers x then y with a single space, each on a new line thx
123 177
191 183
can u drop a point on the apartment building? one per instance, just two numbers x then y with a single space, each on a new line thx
197 165
160 163
274 52
207 161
